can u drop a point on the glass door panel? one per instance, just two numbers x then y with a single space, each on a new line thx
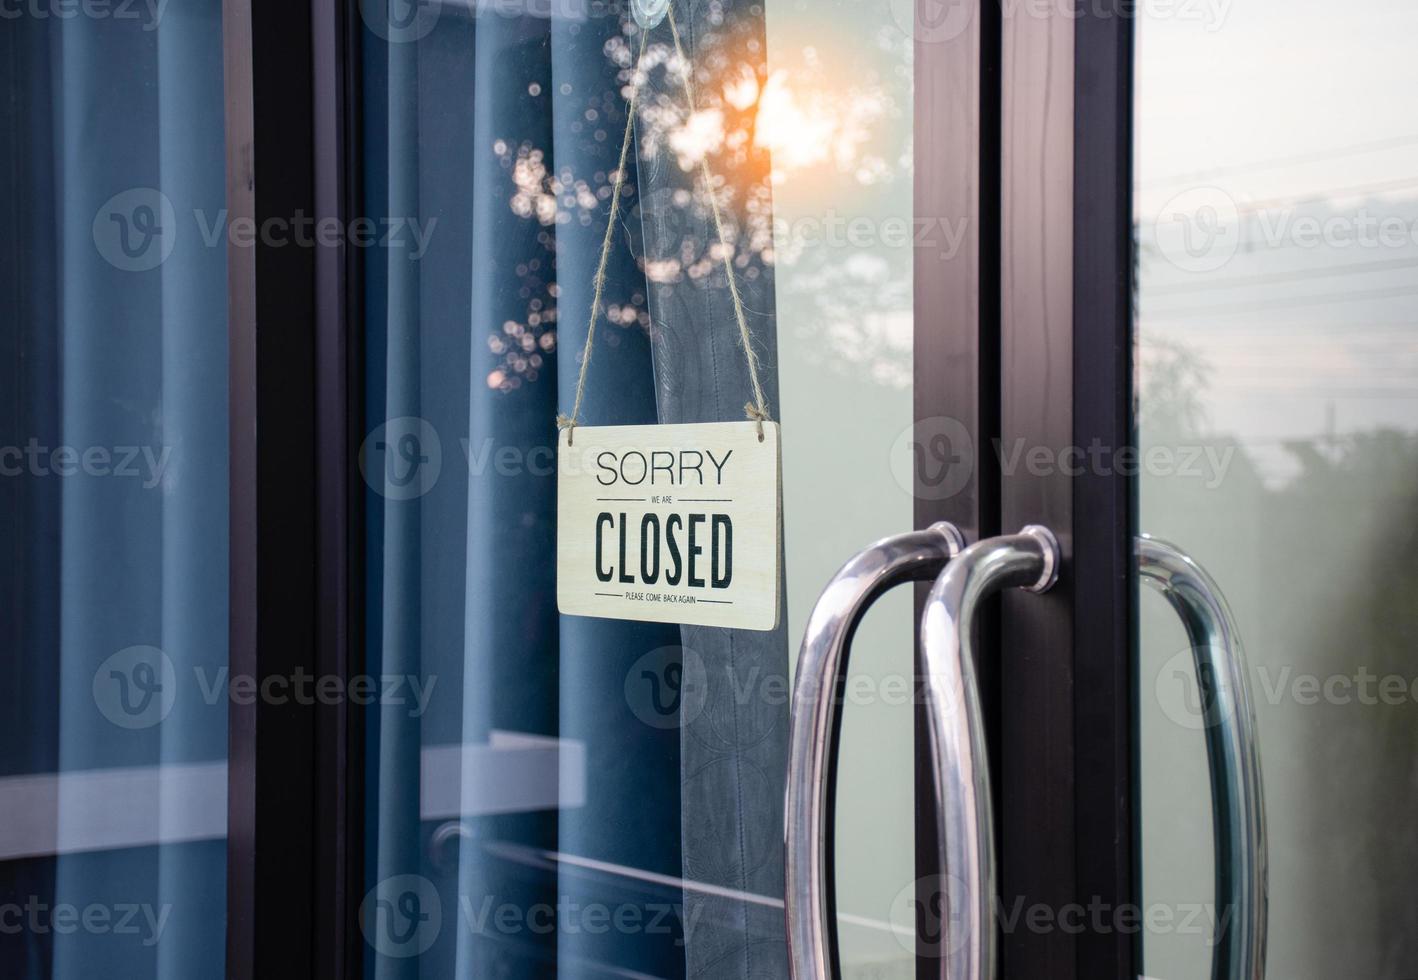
838 104
1277 414
554 795
113 492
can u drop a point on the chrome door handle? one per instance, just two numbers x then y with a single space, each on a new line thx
816 725
966 856
1237 795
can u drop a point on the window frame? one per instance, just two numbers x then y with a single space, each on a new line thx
294 841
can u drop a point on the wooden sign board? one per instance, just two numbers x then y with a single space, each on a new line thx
670 524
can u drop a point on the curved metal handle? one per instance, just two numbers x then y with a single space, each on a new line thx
966 857
1237 795
816 726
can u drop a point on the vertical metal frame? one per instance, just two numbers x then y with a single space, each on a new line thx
1035 793
956 295
293 833
1065 793
1104 520
956 303
272 790
340 534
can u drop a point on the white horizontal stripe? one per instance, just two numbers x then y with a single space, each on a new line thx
141 806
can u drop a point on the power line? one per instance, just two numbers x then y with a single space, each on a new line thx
1327 194
1279 304
1268 278
1334 153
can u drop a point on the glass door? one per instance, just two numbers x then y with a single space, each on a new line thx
1277 415
1208 378
552 795
114 470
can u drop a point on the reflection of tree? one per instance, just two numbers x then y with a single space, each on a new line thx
862 323
715 121
802 121
1359 608
1171 381
721 127
1319 571
838 124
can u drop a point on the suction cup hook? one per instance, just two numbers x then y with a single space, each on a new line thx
649 13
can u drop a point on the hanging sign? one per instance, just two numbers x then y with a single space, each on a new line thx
670 523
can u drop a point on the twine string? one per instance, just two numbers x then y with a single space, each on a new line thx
755 410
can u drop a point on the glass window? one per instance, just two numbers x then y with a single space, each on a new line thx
588 797
1277 223
113 491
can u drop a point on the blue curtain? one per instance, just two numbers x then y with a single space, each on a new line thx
110 344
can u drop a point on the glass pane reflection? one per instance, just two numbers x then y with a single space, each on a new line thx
567 802
1277 344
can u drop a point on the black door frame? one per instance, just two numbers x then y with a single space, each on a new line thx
1066 362
294 872
1104 520
1024 128
956 347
